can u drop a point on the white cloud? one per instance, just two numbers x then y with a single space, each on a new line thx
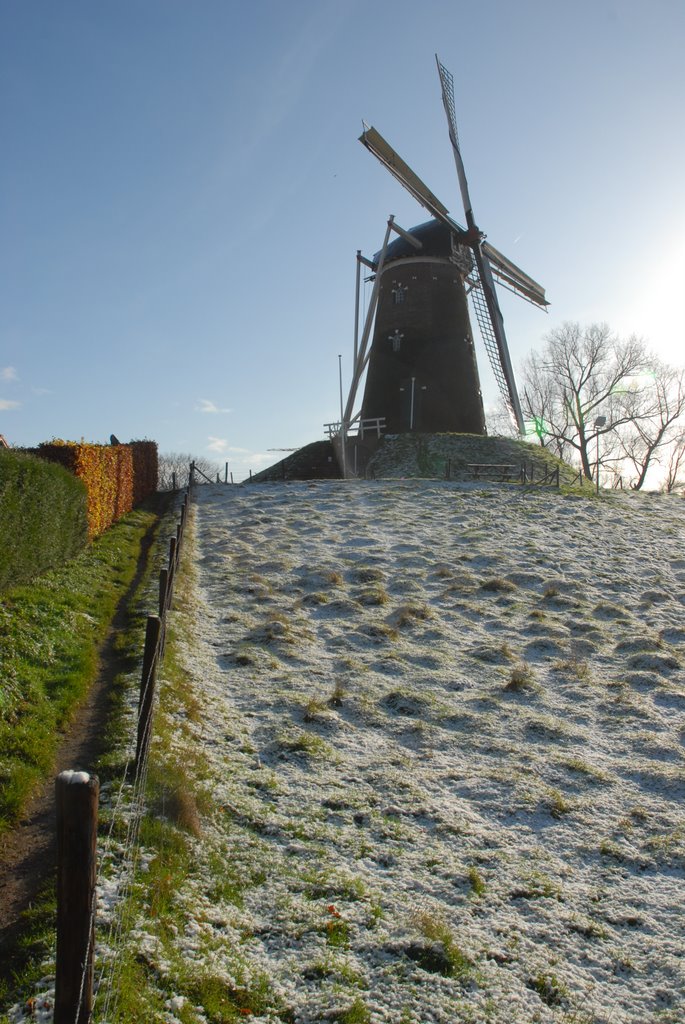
42 391
219 445
8 373
206 405
264 458
5 405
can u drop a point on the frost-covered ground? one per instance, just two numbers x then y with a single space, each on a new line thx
446 727
443 731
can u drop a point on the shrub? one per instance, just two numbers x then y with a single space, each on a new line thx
117 476
43 516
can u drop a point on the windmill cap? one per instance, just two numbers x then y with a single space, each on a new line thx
436 239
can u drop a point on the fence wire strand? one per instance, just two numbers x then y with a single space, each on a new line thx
106 979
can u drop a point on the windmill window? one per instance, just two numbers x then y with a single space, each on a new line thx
395 340
399 291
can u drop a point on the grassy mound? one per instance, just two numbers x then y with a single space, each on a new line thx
432 455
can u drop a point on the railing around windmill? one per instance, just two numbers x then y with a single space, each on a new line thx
497 472
375 426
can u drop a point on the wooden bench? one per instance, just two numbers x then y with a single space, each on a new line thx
503 472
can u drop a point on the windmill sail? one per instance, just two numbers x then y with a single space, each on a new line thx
384 152
499 352
505 270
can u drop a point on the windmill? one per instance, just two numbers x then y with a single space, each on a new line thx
422 368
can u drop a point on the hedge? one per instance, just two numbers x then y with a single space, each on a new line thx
43 519
117 477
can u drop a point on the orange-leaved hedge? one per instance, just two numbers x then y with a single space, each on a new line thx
117 476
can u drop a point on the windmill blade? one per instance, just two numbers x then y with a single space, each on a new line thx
483 295
505 270
447 87
512 277
384 152
491 324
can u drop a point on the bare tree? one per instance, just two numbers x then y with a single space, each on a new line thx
654 419
582 374
499 421
676 462
178 464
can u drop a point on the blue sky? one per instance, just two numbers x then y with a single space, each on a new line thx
182 195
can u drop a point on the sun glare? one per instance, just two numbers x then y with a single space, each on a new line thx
657 311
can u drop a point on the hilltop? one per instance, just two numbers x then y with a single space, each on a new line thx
421 456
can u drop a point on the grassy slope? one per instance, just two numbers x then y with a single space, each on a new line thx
50 634
428 455
60 664
192 909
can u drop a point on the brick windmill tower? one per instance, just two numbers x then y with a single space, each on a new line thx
420 362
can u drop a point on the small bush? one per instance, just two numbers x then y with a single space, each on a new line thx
43 516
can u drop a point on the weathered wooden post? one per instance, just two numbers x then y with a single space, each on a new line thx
76 798
162 608
226 473
191 474
231 477
172 568
174 484
147 688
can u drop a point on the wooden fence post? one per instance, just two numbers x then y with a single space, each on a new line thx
172 568
147 688
163 591
76 798
162 608
191 474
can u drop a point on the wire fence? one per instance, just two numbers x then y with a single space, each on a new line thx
79 877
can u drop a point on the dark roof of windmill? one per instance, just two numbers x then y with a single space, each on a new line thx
434 236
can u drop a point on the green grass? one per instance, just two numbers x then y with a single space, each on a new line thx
50 635
444 956
356 1013
30 957
57 625
476 881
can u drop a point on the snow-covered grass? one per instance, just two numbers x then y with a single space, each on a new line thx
438 750
452 716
